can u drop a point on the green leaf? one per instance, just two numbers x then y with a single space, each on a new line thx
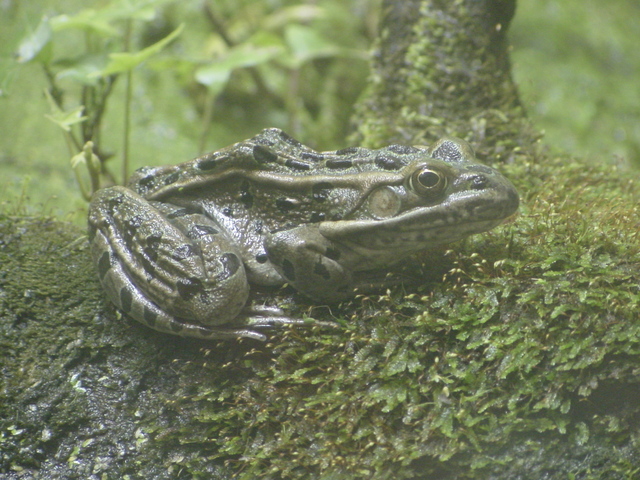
215 75
265 39
133 9
101 21
293 14
37 45
87 20
124 62
306 44
81 69
64 119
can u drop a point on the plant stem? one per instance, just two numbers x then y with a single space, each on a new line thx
207 116
127 110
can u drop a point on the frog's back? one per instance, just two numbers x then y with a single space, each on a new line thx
274 151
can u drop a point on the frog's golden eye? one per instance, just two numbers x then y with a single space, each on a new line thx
427 182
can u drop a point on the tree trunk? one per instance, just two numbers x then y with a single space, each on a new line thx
442 68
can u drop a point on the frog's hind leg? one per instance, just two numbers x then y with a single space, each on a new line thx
119 288
268 316
170 268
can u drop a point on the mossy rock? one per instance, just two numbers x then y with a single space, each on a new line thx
523 358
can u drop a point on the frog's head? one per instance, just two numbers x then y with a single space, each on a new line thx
442 195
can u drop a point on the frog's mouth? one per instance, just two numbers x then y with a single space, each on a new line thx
461 214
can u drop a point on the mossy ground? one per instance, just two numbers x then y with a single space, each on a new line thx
514 354
531 326
525 343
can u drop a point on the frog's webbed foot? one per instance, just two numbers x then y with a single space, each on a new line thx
246 325
267 317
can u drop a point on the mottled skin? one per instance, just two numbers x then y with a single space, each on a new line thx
179 248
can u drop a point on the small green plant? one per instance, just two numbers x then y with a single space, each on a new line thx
91 74
296 75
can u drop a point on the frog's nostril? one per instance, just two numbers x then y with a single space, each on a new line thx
478 182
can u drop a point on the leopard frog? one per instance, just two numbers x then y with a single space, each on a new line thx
179 248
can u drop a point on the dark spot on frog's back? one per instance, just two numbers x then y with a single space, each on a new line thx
348 151
149 316
209 162
136 222
246 197
172 178
114 202
126 299
151 250
387 162
297 164
189 288
338 163
154 240
478 182
148 261
263 155
447 151
289 139
231 263
320 191
146 181
288 270
183 252
199 231
313 156
286 204
182 212
322 271
403 149
104 264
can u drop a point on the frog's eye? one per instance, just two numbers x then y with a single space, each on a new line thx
427 182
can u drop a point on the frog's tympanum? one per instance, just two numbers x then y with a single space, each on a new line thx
179 248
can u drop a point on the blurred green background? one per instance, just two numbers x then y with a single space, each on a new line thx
247 65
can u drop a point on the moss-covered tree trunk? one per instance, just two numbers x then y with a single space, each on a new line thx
442 68
521 361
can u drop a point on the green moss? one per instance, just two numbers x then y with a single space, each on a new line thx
75 382
512 355
524 339
531 322
440 71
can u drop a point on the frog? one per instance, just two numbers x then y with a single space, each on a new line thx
182 248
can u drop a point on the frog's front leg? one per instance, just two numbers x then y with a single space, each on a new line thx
171 268
311 263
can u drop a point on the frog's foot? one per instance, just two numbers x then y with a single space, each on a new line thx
245 325
266 316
